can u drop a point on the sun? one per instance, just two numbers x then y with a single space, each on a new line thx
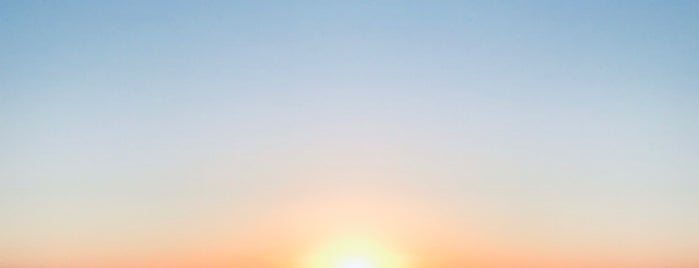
356 262
355 252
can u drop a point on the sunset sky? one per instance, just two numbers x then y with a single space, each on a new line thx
349 134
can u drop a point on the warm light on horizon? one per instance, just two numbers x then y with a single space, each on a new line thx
356 252
349 134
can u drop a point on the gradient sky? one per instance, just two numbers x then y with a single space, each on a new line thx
148 133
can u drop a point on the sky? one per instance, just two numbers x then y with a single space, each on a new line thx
244 133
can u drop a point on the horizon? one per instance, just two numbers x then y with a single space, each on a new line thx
360 134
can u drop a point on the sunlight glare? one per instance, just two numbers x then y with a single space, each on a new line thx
355 253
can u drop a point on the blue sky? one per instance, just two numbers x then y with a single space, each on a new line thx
572 122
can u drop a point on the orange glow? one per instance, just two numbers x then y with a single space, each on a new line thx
356 252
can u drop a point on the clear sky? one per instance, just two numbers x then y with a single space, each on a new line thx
164 133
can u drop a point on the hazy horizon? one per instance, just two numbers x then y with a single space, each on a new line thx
438 134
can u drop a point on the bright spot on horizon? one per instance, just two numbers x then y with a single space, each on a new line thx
356 253
356 262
